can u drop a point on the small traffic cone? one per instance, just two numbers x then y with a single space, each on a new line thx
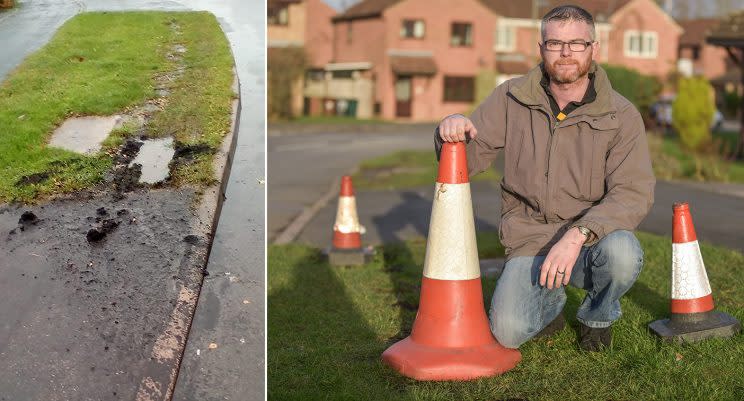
347 240
451 339
693 315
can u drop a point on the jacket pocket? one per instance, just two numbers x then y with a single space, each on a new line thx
599 160
513 152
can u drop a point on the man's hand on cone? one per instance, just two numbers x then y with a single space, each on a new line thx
456 128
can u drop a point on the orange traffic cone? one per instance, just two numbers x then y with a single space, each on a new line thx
347 241
693 315
451 339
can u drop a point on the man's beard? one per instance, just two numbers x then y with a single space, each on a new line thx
567 77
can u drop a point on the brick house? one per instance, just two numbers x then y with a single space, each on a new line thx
633 33
420 56
303 24
419 60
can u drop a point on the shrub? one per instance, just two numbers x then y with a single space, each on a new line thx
286 67
692 112
485 82
641 90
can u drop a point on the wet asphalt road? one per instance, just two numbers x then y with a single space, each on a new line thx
236 372
303 167
397 215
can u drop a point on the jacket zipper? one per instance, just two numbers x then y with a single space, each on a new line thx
553 127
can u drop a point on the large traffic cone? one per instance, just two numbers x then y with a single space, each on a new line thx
347 240
451 339
693 315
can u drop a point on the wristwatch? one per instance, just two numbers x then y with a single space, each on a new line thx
587 232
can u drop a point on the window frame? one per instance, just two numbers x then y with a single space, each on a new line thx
413 22
642 36
512 43
275 20
452 33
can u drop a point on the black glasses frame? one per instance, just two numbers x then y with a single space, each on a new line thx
582 43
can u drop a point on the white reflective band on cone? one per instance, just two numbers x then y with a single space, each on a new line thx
689 279
451 251
346 216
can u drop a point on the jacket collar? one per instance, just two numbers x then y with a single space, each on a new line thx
529 92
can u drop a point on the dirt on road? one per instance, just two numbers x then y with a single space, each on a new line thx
98 294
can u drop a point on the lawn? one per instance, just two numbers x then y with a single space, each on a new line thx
104 64
405 169
672 162
327 328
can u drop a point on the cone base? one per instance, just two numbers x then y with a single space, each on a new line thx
349 257
714 324
421 362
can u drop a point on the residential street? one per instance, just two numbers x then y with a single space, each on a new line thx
397 215
302 167
236 370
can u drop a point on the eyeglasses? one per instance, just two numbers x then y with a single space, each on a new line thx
557 45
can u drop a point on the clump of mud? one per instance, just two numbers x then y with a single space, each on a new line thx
128 151
28 219
35 178
126 179
192 239
105 226
187 154
100 232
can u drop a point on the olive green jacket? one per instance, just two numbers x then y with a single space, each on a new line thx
591 169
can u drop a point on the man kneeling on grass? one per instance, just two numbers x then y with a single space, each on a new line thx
577 181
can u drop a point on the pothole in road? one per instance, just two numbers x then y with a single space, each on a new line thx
154 156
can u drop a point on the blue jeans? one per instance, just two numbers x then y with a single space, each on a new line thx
520 307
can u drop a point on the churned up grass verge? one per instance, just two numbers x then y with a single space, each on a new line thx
327 328
106 64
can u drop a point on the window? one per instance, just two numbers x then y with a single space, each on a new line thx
459 89
462 34
342 74
641 44
349 32
414 29
279 16
314 74
504 38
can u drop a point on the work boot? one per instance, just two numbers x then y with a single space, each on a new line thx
594 339
553 327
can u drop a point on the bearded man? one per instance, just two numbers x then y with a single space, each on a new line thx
577 181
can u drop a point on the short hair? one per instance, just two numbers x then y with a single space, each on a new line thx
566 14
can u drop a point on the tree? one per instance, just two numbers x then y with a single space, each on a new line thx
641 90
692 112
286 67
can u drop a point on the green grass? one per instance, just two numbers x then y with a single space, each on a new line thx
671 161
327 328
405 169
103 64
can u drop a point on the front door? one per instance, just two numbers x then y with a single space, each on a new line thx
403 96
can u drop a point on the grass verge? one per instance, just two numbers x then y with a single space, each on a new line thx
405 169
672 162
327 328
108 63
